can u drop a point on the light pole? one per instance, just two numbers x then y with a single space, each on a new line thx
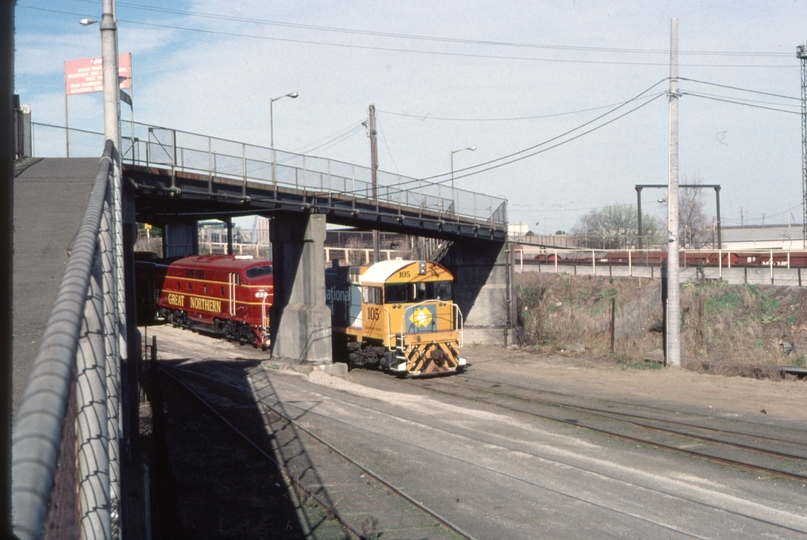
292 95
472 149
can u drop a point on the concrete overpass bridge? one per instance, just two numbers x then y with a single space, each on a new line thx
175 179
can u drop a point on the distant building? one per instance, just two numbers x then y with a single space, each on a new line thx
786 237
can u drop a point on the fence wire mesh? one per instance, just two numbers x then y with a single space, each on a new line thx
66 433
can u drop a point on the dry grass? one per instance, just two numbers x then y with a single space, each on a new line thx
720 324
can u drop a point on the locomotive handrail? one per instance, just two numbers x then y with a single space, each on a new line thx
73 387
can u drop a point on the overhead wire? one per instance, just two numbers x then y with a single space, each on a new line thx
740 89
736 102
386 144
405 50
581 126
441 39
561 143
502 119
332 140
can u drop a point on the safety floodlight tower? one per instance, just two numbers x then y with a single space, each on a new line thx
801 54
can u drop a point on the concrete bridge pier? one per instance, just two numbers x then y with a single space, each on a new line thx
483 289
180 239
301 321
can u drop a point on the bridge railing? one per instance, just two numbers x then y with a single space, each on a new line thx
184 151
144 144
65 464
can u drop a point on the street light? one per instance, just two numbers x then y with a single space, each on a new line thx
472 149
292 95
87 22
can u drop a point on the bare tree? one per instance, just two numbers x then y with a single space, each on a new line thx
615 226
695 227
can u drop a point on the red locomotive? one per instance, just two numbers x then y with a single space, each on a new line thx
227 294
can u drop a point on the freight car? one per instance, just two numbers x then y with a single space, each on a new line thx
692 258
226 294
398 315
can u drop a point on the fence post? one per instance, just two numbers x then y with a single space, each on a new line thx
112 348
613 323
244 163
173 158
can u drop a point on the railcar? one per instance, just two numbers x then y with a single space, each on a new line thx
227 294
398 315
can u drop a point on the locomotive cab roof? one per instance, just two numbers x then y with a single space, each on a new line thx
386 271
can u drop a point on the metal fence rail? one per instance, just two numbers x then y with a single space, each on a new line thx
70 411
223 158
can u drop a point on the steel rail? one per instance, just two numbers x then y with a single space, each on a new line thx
440 519
286 474
651 418
709 457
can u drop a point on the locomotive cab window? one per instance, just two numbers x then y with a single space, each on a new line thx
396 293
371 295
439 290
258 271
417 292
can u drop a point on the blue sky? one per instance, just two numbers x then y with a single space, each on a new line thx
448 75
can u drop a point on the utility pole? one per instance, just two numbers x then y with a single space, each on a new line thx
374 173
801 54
117 300
673 268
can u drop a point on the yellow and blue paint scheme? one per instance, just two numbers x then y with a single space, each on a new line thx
399 314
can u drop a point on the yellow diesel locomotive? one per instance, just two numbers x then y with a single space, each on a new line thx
398 315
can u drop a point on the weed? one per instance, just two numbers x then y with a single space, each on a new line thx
369 528
724 303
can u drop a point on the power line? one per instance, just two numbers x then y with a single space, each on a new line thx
331 140
735 102
399 187
383 136
740 89
411 51
428 116
440 39
581 126
739 100
561 143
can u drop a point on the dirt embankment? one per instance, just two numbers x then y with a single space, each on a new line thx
721 324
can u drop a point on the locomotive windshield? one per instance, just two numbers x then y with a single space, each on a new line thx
417 292
258 271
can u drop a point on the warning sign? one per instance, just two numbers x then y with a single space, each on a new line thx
86 75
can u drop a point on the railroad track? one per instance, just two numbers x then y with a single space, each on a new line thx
761 452
361 500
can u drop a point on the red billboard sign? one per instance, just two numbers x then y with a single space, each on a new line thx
86 75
